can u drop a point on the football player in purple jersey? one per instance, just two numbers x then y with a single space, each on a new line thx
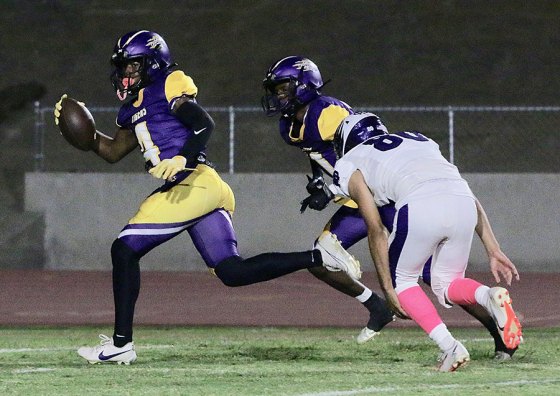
161 116
308 120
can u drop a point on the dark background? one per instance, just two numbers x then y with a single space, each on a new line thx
377 53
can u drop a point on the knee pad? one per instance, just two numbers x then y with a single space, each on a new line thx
122 255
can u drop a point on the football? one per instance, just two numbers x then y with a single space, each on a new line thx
76 124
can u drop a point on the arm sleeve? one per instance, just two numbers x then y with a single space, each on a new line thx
316 169
194 117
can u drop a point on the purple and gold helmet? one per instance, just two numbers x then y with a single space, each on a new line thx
356 129
147 48
304 80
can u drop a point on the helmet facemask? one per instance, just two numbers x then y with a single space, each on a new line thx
129 75
152 57
284 100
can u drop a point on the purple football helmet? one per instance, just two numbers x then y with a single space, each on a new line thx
304 80
147 48
356 129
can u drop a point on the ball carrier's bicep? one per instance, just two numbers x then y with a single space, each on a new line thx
113 149
77 125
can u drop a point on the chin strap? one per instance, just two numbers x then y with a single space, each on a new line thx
121 96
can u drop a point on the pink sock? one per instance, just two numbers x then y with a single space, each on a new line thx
461 291
419 307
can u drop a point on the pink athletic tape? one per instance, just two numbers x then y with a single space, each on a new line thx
461 291
419 307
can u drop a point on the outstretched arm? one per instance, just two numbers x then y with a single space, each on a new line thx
377 238
109 148
500 264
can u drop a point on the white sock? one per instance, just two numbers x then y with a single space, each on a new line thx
482 296
366 294
442 337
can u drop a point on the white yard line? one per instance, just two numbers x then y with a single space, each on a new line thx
19 350
395 389
33 370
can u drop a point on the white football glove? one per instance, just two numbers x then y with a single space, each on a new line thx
168 168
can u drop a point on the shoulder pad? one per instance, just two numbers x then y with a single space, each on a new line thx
177 84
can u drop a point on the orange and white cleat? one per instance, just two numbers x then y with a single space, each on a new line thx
451 360
502 312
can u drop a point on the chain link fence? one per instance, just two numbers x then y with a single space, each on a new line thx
476 139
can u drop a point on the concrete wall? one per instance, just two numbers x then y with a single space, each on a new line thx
84 212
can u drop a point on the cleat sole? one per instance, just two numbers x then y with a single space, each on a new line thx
511 332
460 363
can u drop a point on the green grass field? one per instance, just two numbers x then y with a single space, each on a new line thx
272 361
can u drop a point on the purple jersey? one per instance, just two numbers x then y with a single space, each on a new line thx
315 136
160 134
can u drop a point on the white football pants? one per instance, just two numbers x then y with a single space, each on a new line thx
440 226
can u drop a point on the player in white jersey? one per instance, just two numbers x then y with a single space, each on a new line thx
436 216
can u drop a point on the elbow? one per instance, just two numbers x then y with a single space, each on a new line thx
111 158
211 123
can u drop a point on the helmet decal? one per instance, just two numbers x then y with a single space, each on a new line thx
155 42
304 64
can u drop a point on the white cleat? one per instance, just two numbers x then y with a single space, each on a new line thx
453 359
335 257
501 357
106 352
499 307
366 334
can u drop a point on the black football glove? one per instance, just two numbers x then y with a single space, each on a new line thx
315 184
317 200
